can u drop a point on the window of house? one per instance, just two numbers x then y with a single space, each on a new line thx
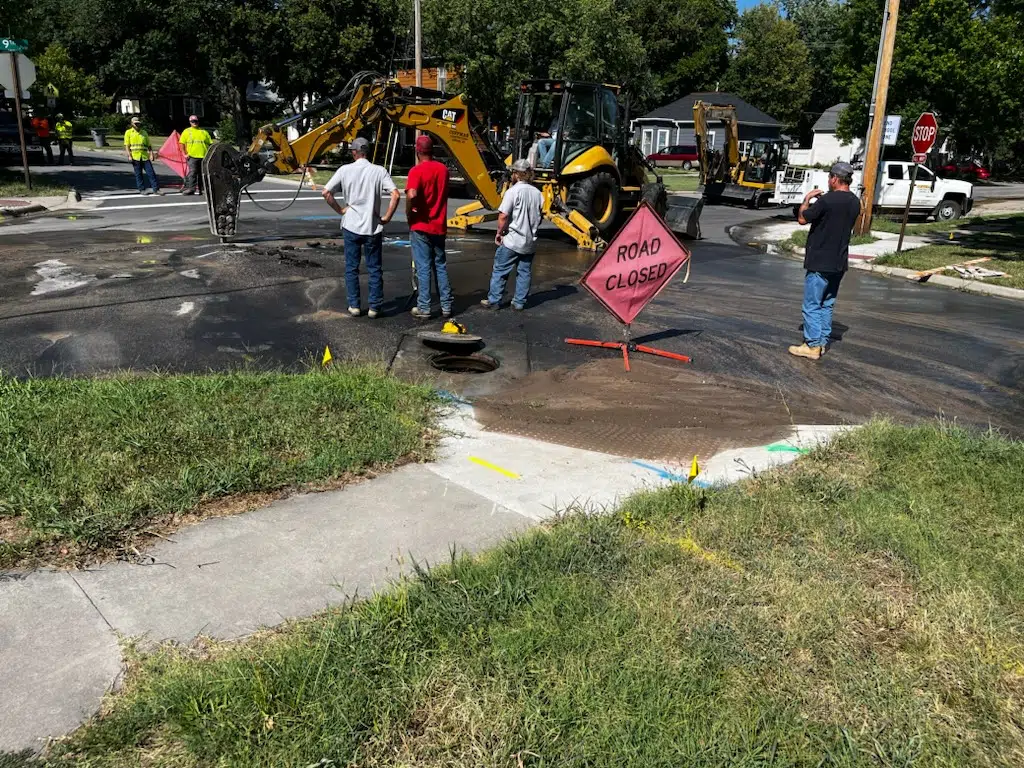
193 106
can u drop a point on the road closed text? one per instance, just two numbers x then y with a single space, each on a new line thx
632 255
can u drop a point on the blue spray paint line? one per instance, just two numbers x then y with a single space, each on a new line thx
451 397
785 448
335 217
661 472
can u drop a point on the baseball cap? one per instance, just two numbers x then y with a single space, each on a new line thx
425 145
841 169
522 165
136 121
193 119
359 144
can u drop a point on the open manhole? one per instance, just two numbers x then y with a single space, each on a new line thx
454 363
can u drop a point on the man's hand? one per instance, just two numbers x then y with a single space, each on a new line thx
813 194
329 197
498 238
395 197
807 204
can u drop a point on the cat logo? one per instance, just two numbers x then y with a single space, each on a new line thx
448 115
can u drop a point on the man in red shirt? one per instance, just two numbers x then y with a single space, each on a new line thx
426 200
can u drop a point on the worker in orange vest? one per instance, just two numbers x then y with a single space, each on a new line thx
41 127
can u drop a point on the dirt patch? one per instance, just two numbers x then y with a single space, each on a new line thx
657 411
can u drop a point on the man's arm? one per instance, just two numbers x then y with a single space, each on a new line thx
801 214
328 193
411 191
392 207
502 227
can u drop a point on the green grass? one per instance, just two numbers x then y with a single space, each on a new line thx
85 464
679 181
12 184
864 607
799 240
883 223
1001 239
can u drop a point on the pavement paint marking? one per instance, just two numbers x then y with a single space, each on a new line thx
56 276
786 448
190 273
664 474
185 308
493 467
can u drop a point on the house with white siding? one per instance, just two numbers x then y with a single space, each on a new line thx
826 147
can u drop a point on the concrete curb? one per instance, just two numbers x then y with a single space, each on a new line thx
957 283
21 210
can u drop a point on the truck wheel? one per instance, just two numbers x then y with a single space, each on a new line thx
687 165
597 198
947 210
656 197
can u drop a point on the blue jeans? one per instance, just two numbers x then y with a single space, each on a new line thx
429 256
820 291
137 166
505 259
545 152
356 246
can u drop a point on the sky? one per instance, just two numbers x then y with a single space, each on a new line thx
744 4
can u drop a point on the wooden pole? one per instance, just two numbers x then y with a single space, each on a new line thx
21 123
873 150
417 33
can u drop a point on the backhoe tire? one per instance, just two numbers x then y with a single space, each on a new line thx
656 197
597 198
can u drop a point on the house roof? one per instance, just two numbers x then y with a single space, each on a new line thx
829 118
681 110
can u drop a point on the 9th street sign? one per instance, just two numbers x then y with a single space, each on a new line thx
8 45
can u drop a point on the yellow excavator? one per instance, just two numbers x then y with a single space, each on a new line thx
574 134
724 173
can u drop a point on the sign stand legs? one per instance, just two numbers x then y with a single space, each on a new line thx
628 346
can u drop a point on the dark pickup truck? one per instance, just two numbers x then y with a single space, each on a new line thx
10 146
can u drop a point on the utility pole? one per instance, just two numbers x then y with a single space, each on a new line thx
879 96
21 125
417 34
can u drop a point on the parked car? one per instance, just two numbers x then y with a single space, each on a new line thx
968 169
676 156
10 145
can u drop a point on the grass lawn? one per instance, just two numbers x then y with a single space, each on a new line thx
12 184
864 607
1002 239
680 181
87 464
891 224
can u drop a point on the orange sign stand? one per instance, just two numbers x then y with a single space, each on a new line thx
637 264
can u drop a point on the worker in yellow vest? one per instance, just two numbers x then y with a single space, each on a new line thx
140 152
195 142
64 131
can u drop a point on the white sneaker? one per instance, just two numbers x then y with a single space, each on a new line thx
355 311
420 314
372 313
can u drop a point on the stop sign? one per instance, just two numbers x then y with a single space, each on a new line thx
926 129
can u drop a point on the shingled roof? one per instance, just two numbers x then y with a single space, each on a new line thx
682 109
829 118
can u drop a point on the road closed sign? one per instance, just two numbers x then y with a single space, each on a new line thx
636 265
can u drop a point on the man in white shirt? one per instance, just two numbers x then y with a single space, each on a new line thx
519 217
362 185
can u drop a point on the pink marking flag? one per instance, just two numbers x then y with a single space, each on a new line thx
172 155
636 265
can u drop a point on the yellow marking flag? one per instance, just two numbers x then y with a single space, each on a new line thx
694 470
327 356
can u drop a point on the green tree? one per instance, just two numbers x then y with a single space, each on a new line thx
771 67
78 93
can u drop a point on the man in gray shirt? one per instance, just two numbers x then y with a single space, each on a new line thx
362 185
519 217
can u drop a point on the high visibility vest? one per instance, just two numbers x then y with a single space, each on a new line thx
137 143
64 129
196 141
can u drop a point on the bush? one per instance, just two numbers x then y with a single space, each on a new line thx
226 130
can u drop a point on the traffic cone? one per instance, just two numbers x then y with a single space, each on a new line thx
694 470
310 178
327 357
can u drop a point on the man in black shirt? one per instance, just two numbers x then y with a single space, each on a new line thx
827 256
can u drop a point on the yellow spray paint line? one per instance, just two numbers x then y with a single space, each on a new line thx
493 467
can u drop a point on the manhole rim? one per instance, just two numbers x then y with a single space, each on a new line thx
474 363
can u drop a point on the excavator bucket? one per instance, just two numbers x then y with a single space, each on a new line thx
683 215
226 171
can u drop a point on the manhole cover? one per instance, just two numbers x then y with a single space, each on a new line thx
452 363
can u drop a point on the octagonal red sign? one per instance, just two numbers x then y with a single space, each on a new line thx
636 265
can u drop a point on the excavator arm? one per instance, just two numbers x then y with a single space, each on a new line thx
715 165
368 101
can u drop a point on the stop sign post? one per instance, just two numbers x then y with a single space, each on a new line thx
632 270
922 139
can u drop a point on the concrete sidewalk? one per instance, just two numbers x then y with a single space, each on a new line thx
228 577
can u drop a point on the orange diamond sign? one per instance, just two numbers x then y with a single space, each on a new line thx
636 265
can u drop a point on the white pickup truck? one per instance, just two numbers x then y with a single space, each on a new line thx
933 196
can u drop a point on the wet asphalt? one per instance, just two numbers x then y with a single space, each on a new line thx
100 293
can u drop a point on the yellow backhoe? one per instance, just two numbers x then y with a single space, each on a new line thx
725 173
589 174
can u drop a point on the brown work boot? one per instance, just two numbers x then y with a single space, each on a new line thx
811 353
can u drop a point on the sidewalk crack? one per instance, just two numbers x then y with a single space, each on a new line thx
93 603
